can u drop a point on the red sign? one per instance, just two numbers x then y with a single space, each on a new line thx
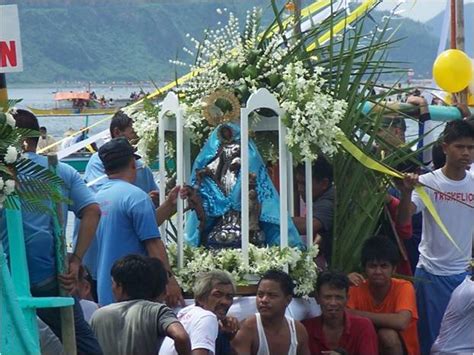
10 42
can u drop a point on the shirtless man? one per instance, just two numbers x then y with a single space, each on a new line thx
270 331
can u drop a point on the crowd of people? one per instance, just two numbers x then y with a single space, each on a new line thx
126 295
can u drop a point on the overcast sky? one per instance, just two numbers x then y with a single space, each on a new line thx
420 10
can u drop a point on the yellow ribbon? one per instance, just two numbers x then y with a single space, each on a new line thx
370 163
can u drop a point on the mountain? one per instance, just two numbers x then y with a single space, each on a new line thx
436 23
127 40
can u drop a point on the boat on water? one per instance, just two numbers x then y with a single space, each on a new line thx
78 104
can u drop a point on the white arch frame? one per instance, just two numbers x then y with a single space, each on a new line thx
171 105
262 98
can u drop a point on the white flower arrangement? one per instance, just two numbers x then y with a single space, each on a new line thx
312 116
231 60
145 125
302 267
11 155
8 156
9 118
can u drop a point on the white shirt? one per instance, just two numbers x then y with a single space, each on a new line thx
88 308
438 255
202 327
456 335
264 349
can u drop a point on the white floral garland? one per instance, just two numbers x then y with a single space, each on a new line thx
302 267
145 126
312 116
8 156
226 48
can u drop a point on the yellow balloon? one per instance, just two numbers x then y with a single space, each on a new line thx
452 70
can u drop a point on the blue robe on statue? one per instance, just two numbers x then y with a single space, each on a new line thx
216 203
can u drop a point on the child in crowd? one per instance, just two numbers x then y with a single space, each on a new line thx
388 302
136 324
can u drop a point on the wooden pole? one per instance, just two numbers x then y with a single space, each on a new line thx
297 29
463 95
3 93
68 333
453 25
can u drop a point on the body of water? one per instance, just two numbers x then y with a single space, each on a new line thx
42 96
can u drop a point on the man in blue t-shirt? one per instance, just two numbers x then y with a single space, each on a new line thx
96 177
128 224
39 239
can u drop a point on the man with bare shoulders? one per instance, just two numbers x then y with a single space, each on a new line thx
269 331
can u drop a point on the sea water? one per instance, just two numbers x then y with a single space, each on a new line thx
42 96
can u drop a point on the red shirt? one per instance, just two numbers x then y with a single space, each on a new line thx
358 337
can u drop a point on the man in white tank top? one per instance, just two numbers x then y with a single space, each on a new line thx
270 331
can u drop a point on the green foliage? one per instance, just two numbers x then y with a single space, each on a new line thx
34 186
354 62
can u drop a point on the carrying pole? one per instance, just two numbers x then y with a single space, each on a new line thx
463 95
3 93
68 333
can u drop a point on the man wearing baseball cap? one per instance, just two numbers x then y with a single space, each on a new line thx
128 223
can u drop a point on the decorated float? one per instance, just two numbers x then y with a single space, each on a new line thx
255 97
277 95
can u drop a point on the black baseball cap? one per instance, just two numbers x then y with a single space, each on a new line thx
116 153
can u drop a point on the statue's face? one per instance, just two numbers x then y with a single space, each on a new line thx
226 133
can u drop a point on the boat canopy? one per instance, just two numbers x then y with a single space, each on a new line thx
72 96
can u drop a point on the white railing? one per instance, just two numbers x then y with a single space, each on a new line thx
170 105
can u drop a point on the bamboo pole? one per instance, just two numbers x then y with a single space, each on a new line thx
463 95
68 333
453 25
297 28
3 93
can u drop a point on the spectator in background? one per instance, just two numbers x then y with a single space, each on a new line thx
45 140
269 331
136 324
336 329
83 292
207 319
442 266
457 327
323 203
388 302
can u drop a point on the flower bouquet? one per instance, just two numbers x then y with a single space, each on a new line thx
301 265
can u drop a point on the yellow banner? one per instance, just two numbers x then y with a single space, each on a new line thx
370 163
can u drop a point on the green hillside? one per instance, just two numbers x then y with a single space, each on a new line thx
122 41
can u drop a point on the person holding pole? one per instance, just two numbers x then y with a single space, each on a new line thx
128 224
39 233
442 264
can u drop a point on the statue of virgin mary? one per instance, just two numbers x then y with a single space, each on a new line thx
215 221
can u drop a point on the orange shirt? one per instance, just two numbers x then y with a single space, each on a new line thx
401 297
